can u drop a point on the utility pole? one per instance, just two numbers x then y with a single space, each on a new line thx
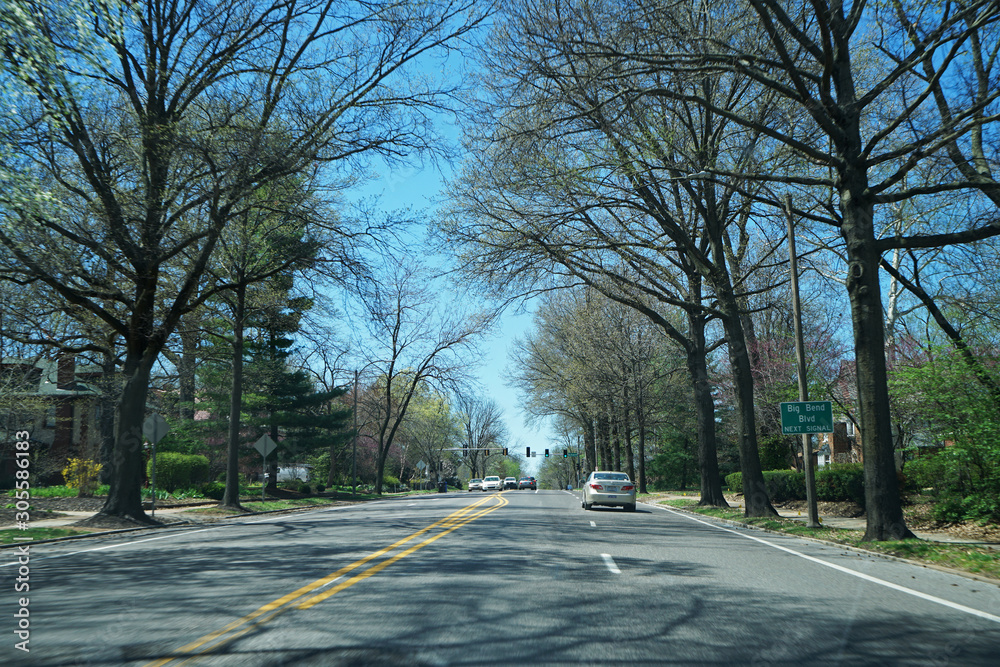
354 444
800 358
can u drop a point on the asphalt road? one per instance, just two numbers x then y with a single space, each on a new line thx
465 579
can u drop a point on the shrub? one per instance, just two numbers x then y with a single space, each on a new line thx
735 482
320 488
783 485
81 474
213 490
841 482
304 488
389 480
175 471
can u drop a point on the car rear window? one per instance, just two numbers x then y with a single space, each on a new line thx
612 476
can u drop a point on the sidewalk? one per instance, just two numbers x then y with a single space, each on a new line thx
847 523
172 514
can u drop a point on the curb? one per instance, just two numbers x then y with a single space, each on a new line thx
847 547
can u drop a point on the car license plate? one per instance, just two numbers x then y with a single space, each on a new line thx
612 496
612 489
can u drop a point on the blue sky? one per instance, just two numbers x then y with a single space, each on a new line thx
419 187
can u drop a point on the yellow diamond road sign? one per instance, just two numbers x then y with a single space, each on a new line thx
806 417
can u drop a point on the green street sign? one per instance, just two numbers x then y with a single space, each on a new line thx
806 417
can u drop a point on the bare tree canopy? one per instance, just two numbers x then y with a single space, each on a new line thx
142 129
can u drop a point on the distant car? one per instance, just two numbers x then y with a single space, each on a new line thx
492 483
611 489
475 485
527 483
510 483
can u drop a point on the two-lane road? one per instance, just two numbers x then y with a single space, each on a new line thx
466 579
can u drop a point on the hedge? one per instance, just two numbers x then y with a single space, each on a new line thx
213 490
834 483
178 471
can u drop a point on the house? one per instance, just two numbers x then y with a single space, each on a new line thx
841 446
58 404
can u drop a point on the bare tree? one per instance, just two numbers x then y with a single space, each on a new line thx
483 427
858 81
154 125
415 340
575 173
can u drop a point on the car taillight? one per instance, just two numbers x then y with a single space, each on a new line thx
627 488
596 487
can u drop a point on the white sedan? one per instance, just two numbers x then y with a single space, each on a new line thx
492 483
612 489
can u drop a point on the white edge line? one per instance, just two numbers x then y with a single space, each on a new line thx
114 546
610 562
594 524
163 537
846 570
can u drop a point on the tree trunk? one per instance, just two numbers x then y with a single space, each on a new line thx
125 497
272 466
755 496
882 503
380 468
684 468
616 440
708 458
602 442
106 424
642 452
627 436
186 373
231 496
590 444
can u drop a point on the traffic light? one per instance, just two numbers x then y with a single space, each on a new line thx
565 453
546 453
527 452
486 453
505 451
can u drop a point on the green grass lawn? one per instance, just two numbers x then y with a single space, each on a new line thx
966 557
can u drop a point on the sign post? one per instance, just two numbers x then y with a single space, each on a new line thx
154 428
804 420
265 446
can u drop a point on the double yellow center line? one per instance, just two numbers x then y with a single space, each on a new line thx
301 598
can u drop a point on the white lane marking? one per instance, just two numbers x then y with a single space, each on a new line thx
330 582
847 570
610 562
594 524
